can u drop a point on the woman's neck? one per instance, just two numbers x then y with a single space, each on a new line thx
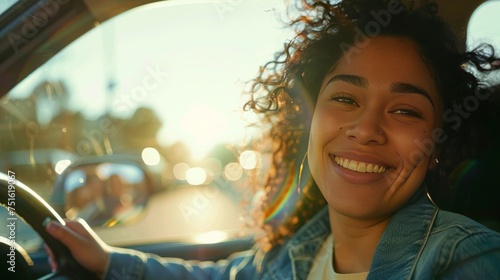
355 242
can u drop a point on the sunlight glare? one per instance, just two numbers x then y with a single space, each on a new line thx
201 125
211 237
196 176
62 165
150 156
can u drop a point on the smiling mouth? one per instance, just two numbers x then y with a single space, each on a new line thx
359 166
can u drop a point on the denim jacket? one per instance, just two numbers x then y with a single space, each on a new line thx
420 242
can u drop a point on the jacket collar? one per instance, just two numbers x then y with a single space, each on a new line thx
296 258
398 250
403 240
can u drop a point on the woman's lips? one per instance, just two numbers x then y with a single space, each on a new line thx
359 166
358 172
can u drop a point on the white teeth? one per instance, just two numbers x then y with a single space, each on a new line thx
361 167
353 165
369 168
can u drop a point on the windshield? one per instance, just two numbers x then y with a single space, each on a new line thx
6 4
163 82
483 28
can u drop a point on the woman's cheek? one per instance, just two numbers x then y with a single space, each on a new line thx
420 147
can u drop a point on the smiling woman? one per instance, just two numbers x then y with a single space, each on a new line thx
350 110
362 109
360 124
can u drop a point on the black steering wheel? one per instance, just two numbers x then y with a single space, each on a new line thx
34 210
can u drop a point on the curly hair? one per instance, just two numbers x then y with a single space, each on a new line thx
286 89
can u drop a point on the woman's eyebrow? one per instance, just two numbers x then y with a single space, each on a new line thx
409 88
351 79
399 87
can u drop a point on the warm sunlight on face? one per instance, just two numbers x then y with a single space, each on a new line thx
371 115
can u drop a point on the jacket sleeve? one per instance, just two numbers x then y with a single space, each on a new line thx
475 257
127 264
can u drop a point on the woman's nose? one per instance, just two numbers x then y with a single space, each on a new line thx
366 129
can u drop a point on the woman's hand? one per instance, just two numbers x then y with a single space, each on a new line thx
85 246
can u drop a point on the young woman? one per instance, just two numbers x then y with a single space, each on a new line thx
364 100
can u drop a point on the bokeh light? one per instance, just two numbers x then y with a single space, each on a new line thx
180 170
249 159
196 176
233 171
150 156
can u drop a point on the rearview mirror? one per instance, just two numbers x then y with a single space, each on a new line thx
103 193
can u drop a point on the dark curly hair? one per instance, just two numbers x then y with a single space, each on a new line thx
286 90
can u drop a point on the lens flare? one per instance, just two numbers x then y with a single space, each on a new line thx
286 197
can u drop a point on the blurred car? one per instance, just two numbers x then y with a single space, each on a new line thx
129 114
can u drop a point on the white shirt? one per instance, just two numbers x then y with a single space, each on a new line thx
322 267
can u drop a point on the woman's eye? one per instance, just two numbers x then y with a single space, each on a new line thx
344 99
410 113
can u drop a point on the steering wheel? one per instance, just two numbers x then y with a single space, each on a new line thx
34 210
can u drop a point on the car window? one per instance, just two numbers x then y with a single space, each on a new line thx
162 82
483 28
6 4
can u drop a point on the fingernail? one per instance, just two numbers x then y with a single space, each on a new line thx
46 221
52 226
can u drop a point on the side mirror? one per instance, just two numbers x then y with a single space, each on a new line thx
104 191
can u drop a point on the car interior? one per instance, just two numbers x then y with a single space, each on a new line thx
128 114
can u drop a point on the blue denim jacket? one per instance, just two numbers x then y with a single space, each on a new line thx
420 242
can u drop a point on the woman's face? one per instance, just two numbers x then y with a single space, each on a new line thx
371 135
